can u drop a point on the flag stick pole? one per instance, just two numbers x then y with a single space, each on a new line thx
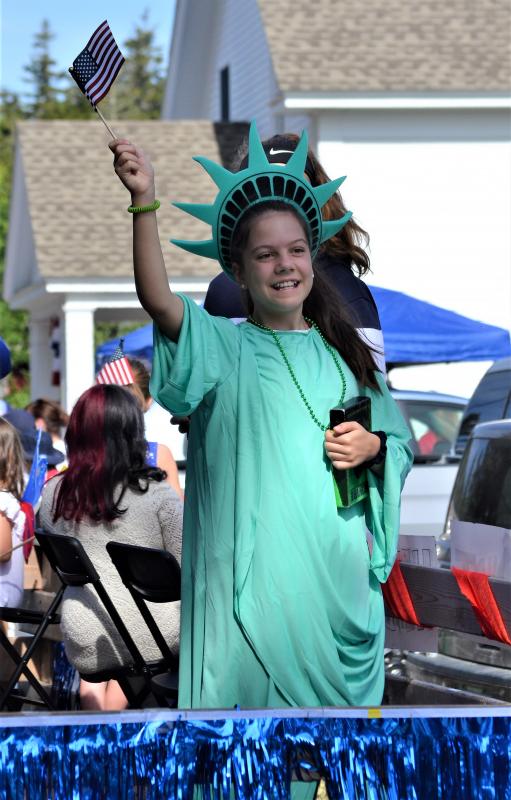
105 123
16 547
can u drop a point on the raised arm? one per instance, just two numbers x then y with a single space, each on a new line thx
135 171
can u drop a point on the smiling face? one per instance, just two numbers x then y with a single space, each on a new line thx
276 268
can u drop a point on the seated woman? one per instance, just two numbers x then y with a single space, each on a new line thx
108 493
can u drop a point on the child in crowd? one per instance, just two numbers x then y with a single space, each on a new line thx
158 452
12 517
50 416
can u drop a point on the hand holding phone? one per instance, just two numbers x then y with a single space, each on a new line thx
350 485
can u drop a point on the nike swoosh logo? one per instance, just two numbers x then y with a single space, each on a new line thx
276 152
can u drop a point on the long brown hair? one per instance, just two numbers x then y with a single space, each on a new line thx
141 375
349 245
11 460
322 304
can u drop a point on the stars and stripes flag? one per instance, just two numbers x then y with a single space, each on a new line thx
117 370
97 66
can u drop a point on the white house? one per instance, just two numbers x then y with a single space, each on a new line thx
410 99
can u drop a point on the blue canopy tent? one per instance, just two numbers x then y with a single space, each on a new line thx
138 344
415 332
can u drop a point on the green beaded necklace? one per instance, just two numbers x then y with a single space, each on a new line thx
330 349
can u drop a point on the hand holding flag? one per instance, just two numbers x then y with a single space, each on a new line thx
97 66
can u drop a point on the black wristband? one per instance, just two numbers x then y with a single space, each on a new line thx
379 458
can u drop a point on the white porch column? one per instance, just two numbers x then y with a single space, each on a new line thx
41 359
78 350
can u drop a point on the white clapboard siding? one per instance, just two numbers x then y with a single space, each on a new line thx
239 42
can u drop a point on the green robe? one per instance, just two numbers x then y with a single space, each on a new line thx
281 600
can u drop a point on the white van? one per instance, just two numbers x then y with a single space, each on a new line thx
434 420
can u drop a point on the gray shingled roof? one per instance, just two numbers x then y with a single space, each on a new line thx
78 206
389 45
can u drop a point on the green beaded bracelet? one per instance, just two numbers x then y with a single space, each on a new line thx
139 209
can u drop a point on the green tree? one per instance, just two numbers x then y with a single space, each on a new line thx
136 94
74 104
13 326
43 77
138 90
43 102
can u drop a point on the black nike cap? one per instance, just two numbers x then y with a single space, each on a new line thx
279 150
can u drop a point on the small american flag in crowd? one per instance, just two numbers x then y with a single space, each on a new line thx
117 370
97 66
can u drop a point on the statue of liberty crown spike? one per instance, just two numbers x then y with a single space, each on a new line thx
260 182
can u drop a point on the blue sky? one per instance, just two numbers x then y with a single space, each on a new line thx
72 23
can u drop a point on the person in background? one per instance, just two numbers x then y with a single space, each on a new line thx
117 371
12 516
157 419
29 435
49 416
109 493
158 454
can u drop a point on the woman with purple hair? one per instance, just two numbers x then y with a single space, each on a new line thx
108 493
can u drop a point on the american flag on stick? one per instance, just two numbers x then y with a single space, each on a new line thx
97 66
117 370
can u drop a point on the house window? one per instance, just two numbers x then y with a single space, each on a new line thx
224 94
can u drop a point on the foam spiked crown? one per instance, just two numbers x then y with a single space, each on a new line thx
260 182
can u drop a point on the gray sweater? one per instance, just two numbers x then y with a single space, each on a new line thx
153 519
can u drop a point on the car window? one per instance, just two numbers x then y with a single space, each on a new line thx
433 425
491 400
482 492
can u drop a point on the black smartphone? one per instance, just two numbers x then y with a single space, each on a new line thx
358 409
350 485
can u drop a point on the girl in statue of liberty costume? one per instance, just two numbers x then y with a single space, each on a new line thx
281 598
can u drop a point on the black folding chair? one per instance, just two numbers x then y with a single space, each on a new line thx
151 576
41 619
69 560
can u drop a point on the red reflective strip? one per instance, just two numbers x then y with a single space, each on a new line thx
475 587
397 597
